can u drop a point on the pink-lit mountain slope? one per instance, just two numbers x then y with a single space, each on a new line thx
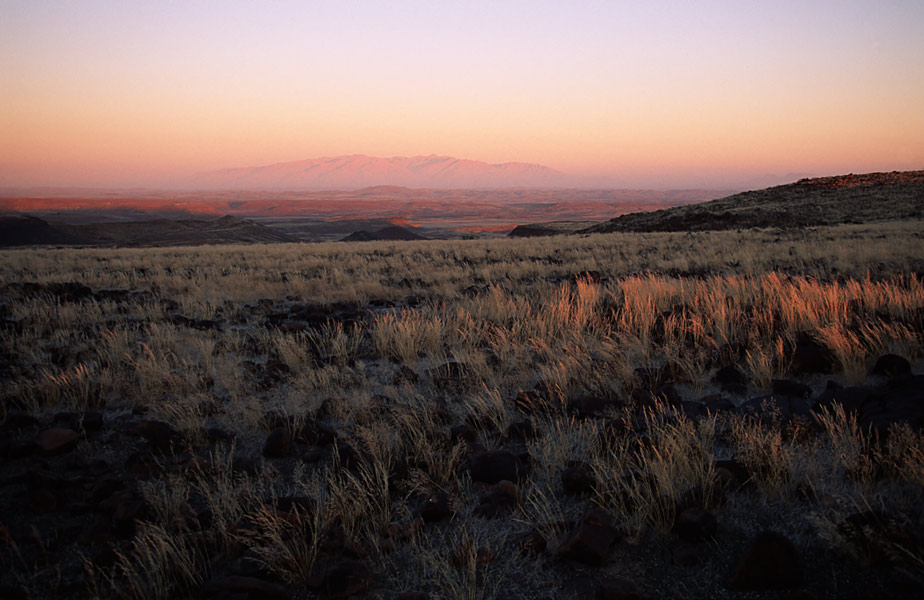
358 171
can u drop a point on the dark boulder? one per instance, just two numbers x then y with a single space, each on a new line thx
347 578
696 524
278 443
809 356
731 380
788 387
892 366
56 441
437 507
502 498
770 562
578 478
496 465
591 540
162 437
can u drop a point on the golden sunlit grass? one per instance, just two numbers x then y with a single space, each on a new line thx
451 334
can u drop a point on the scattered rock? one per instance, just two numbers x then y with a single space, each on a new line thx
788 387
590 542
590 405
770 562
717 403
502 498
695 524
811 357
578 478
731 380
731 474
852 399
347 578
436 507
521 430
162 437
56 441
892 366
497 465
464 432
88 421
278 443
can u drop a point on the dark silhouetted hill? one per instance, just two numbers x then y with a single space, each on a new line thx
23 230
808 202
30 231
392 233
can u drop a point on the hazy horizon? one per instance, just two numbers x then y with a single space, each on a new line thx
719 95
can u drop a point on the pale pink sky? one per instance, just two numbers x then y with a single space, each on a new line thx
649 94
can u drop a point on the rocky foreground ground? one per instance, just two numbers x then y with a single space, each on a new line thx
125 500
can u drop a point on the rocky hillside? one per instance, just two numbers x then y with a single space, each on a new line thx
808 202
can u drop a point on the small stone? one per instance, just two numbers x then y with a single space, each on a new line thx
771 562
578 479
162 437
278 444
497 465
347 578
590 542
56 441
696 524
892 366
436 507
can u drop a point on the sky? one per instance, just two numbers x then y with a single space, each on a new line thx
645 94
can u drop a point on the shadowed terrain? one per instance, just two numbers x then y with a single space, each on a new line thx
809 202
734 414
23 231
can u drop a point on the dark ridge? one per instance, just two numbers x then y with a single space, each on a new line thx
24 230
391 233
30 231
807 203
545 229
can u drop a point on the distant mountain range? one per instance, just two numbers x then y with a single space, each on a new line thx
358 171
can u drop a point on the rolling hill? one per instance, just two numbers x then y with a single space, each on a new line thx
808 202
30 231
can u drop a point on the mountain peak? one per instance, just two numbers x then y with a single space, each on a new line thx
357 171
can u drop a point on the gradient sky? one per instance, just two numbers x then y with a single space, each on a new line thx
651 94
